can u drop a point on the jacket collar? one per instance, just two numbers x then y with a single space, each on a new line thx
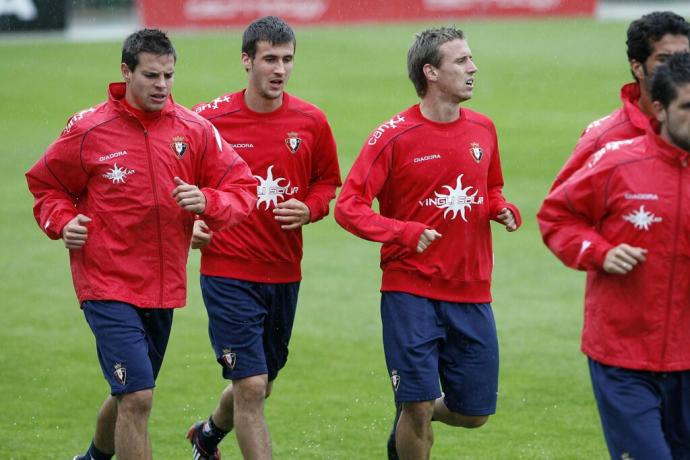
116 97
630 95
664 149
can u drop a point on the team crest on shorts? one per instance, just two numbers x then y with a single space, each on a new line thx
292 141
395 380
229 358
179 146
120 373
476 152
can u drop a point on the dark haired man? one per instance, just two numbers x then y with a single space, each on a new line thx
625 219
121 186
436 172
250 275
651 40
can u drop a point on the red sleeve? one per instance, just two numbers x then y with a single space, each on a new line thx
227 183
353 208
495 187
325 175
56 181
569 215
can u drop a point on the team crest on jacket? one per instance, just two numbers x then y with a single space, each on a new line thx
292 141
476 152
120 373
229 358
179 146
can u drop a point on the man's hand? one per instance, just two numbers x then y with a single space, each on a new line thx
291 214
623 258
427 237
189 197
75 233
201 234
507 218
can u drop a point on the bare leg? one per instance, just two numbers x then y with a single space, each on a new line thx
444 415
104 437
248 396
414 436
131 431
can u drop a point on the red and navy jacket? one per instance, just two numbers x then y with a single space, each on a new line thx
117 166
292 153
635 192
623 123
445 176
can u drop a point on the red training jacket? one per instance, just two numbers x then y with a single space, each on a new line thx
635 192
292 153
623 123
117 168
445 176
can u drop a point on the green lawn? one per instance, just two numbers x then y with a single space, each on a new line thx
541 82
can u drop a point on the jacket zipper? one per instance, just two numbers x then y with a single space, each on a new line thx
158 216
669 303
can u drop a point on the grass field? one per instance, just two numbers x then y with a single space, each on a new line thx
541 81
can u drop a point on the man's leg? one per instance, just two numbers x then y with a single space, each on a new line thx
103 443
131 431
248 395
414 436
444 415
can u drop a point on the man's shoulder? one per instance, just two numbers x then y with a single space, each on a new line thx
614 153
614 126
477 117
394 127
219 106
84 120
300 106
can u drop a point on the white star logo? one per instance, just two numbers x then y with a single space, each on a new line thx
118 175
642 219
458 199
269 189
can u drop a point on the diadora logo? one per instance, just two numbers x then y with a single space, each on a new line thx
117 175
642 219
110 156
242 146
609 147
77 116
390 124
596 123
433 156
269 189
642 196
457 200
213 104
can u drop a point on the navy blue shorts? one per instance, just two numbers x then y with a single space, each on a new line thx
249 324
644 414
130 341
428 340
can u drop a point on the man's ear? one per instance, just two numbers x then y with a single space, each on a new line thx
430 72
126 72
637 69
659 111
246 62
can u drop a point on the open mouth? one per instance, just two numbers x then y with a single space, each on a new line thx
159 97
470 82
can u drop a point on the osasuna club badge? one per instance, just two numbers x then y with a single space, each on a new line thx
293 142
395 380
476 152
179 146
120 373
229 359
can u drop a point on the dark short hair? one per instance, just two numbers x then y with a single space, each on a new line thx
649 29
151 41
669 76
425 50
269 29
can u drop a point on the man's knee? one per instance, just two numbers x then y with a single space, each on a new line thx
251 390
137 403
419 413
467 421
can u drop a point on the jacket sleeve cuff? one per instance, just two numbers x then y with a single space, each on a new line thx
411 233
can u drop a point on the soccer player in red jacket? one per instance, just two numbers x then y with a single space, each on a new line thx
436 172
651 40
250 275
625 219
121 186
